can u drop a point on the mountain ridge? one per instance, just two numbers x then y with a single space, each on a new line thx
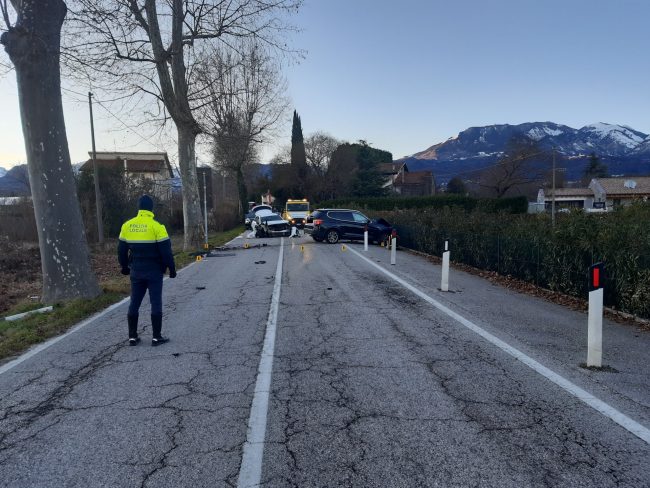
625 150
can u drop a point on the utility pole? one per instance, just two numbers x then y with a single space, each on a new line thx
98 196
553 195
205 207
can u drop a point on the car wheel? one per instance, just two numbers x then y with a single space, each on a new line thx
332 236
382 238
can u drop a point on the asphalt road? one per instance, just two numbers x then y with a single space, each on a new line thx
371 385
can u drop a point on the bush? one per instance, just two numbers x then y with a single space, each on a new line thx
510 205
529 248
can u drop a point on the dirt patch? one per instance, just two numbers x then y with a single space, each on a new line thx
20 271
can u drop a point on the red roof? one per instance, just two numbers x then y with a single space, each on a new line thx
415 177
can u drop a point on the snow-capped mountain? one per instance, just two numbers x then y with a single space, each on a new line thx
623 149
2 172
15 182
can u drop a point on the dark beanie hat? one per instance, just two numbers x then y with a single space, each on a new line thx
145 203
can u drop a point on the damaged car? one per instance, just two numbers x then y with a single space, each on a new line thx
334 224
271 225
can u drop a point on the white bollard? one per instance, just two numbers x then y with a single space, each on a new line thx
365 240
595 317
294 231
444 282
393 249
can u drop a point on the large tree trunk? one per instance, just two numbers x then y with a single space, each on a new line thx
33 45
192 219
242 191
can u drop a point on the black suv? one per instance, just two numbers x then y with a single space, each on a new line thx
333 224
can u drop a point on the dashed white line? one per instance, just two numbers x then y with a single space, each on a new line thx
607 410
250 471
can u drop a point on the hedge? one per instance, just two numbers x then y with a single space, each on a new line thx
529 248
510 205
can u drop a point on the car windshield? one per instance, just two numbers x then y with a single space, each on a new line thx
297 207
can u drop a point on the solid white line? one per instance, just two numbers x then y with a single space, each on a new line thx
607 410
41 347
250 471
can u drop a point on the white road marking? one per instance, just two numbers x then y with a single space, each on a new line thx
250 472
607 410
41 347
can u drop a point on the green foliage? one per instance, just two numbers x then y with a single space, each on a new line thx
369 181
20 334
529 248
510 205
456 186
595 168
298 155
354 171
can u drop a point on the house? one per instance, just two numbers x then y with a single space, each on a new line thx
570 198
267 198
154 166
403 182
610 193
602 193
391 172
416 183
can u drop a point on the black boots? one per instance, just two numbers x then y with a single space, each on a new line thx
156 325
133 330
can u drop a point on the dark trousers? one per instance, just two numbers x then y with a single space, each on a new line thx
140 283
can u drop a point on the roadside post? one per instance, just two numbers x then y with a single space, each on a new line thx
595 317
365 238
444 282
393 247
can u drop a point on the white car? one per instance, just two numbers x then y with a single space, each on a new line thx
271 225
250 216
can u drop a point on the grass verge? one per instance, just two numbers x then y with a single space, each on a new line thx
17 336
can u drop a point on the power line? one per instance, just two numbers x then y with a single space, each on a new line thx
126 126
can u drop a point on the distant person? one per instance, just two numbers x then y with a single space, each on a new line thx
145 253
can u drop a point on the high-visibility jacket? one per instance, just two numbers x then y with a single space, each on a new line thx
144 245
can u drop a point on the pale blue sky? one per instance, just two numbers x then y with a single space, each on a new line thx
406 75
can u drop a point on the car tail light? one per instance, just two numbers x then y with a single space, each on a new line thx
318 221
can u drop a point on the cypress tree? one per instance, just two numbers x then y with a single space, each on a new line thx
298 157
595 168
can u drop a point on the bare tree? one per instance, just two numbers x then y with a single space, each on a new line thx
246 102
33 45
522 170
151 47
319 147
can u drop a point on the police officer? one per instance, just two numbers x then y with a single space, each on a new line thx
145 253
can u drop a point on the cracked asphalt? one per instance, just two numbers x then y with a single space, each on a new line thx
371 385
